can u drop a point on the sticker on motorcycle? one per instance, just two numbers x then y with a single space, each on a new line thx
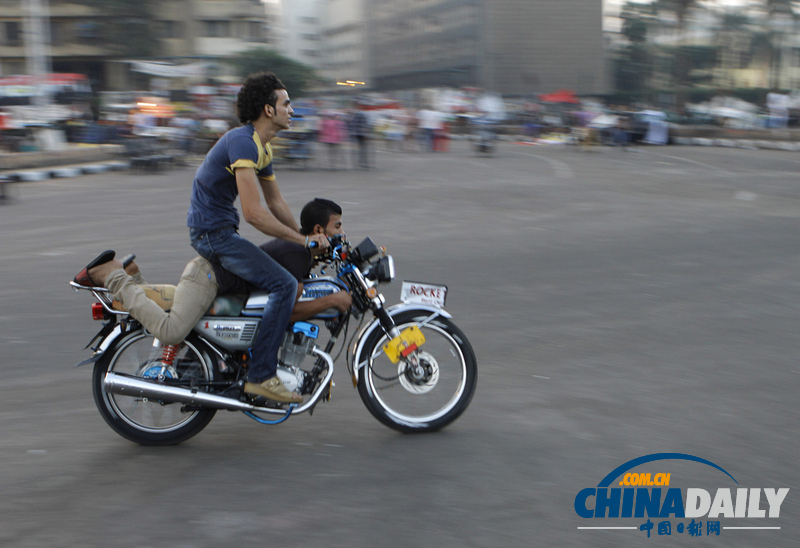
421 293
409 340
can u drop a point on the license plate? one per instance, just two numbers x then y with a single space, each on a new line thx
409 340
422 293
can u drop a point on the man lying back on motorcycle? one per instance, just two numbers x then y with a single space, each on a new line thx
202 281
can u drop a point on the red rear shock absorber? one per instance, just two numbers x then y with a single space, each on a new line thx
168 354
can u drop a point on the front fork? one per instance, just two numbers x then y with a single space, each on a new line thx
390 328
387 323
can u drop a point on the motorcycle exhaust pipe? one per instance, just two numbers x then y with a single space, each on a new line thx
124 385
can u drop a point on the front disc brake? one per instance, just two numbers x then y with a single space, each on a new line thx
423 381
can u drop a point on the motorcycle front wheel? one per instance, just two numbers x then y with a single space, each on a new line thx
149 422
426 398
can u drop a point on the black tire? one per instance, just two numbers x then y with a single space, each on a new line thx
151 422
425 404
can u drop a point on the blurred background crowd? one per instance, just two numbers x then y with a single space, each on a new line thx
402 76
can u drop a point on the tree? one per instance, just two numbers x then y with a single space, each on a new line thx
780 21
635 30
682 8
732 21
632 71
634 64
679 7
779 5
297 77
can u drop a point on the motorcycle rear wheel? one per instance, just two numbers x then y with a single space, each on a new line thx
151 422
419 403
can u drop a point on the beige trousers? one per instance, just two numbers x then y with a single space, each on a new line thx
193 296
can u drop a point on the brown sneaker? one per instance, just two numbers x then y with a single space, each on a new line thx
273 389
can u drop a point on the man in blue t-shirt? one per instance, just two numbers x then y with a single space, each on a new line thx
240 163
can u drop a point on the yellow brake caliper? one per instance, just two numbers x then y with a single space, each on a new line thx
409 340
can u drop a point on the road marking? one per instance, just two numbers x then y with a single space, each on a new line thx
562 170
695 162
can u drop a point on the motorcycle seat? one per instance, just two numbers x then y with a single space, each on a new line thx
227 305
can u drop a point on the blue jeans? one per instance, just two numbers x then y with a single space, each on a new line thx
224 246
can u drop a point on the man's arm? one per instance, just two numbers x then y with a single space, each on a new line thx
260 217
277 205
308 309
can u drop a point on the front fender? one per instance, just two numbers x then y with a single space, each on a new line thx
393 310
107 335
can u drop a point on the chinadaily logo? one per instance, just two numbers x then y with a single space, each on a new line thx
624 498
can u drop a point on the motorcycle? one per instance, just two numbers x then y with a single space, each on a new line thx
414 369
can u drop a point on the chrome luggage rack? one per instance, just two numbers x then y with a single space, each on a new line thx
102 296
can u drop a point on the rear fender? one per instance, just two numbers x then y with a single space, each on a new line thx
107 335
393 311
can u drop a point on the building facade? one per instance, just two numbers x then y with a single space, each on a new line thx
302 23
205 33
344 56
514 47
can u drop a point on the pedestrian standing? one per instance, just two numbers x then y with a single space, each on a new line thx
332 134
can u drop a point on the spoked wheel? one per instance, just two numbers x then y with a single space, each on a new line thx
430 388
150 422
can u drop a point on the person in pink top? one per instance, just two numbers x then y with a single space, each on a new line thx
332 133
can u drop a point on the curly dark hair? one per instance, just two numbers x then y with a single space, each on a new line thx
258 90
317 212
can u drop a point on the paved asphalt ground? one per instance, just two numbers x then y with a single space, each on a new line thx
621 304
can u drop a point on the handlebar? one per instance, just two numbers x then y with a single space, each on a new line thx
333 240
128 259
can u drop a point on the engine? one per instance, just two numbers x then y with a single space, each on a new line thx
298 343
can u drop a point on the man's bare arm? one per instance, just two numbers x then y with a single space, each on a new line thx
259 216
308 309
277 205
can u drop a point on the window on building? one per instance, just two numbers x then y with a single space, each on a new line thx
796 57
172 29
745 59
13 34
256 30
56 34
217 29
87 32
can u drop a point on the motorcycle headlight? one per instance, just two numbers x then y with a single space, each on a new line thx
385 269
382 271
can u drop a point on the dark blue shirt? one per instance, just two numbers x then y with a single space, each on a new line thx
214 189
